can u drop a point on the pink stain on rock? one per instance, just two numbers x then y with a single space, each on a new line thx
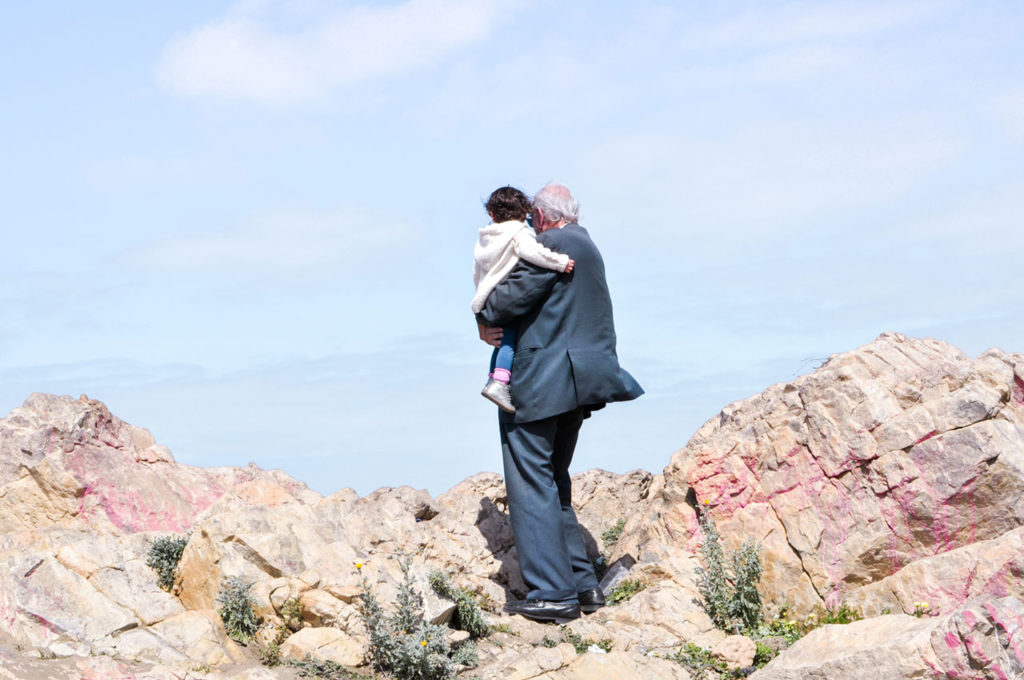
1008 627
134 496
926 437
1018 390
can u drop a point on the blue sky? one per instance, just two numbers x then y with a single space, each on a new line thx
248 226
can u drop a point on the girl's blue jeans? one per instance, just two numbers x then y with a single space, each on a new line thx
502 356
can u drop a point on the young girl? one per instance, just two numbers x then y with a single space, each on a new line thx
503 242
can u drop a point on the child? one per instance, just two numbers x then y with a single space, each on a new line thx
503 242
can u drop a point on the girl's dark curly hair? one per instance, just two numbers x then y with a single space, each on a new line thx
508 203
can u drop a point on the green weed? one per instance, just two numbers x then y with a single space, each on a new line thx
403 645
468 616
236 610
164 555
582 645
625 589
728 587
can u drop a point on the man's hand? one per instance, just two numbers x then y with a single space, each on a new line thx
569 267
492 336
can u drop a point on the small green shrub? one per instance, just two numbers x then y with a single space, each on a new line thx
745 601
609 537
311 667
236 610
841 614
612 535
291 613
763 655
465 655
699 660
503 628
164 555
728 588
467 615
582 645
792 628
625 589
403 645
270 654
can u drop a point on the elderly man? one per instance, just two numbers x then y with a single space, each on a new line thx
565 367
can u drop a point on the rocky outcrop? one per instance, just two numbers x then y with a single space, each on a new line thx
84 496
897 455
890 476
71 464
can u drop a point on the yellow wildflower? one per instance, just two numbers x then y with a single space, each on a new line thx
423 643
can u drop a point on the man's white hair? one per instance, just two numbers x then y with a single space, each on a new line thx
557 203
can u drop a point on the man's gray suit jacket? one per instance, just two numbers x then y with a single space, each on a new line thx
565 347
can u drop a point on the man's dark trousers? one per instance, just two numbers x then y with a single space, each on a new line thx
552 556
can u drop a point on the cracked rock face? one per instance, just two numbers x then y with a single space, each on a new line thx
897 456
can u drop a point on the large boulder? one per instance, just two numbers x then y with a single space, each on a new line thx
981 640
901 450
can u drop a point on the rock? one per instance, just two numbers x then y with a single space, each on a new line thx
737 651
886 455
603 498
667 607
320 608
329 644
618 666
534 663
72 463
984 638
54 604
200 635
946 580
980 640
117 568
882 648
457 637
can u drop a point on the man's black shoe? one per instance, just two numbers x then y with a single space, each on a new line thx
591 600
544 610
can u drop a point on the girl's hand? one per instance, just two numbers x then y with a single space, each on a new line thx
492 336
569 267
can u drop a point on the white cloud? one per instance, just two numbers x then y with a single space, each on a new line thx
287 241
283 52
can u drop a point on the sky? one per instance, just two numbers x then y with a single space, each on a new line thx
248 226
